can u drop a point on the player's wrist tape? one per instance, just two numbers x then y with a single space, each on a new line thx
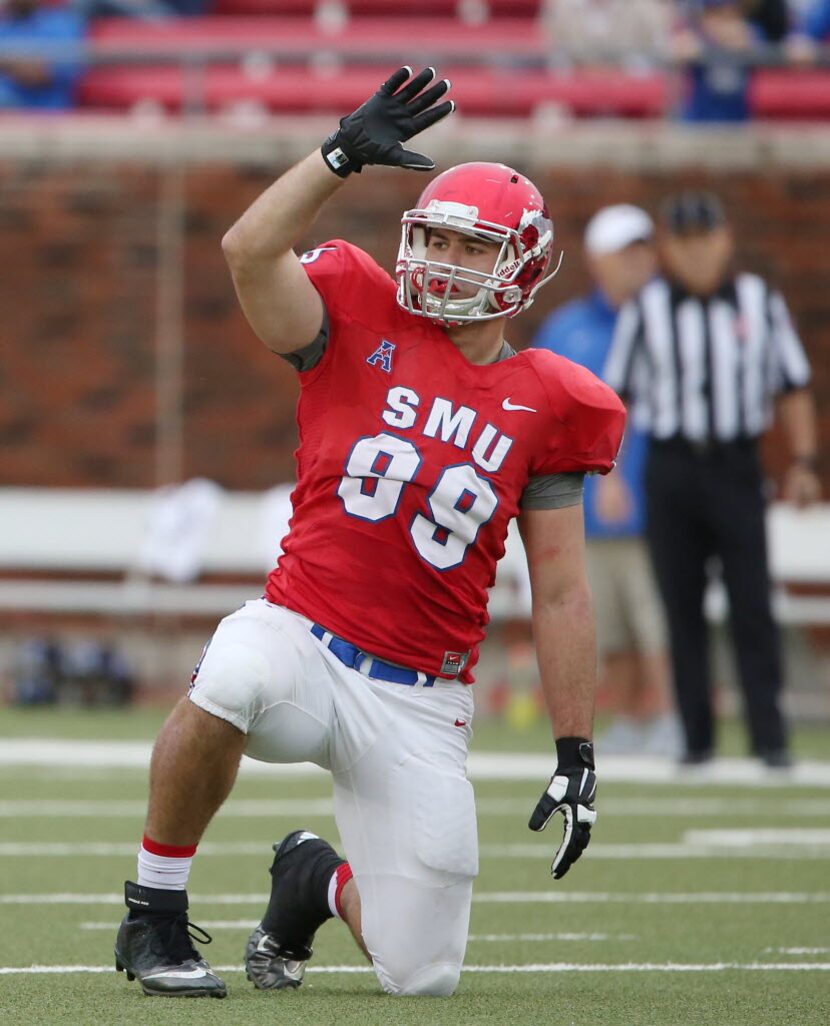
574 751
340 157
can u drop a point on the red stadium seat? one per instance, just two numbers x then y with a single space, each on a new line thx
302 39
460 8
292 65
790 94
493 93
306 8
465 10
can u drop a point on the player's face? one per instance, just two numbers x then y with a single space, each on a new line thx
459 250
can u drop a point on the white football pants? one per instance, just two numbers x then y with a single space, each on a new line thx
397 753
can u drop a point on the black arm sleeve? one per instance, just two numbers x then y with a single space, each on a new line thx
309 356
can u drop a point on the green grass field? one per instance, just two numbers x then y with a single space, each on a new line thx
662 923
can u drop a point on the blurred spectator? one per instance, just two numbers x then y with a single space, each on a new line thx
94 673
811 29
147 10
707 350
116 676
631 637
714 42
815 23
80 672
771 18
36 71
37 671
188 8
622 32
83 672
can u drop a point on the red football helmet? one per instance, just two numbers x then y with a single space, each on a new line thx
491 202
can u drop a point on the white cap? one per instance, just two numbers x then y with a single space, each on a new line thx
613 228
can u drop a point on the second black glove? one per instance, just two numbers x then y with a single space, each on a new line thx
571 791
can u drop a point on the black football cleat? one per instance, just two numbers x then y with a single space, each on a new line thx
154 946
268 966
279 948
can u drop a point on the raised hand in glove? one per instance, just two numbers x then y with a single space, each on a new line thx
374 132
571 791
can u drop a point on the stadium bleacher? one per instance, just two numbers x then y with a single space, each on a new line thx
299 57
464 10
112 546
299 64
290 57
479 93
791 95
304 39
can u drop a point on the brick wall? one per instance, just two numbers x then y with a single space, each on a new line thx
78 295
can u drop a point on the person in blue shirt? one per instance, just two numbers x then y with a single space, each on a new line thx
631 638
714 45
810 31
815 22
32 78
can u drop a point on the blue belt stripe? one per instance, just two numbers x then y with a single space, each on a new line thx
351 655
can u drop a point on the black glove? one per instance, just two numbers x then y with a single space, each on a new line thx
374 132
571 791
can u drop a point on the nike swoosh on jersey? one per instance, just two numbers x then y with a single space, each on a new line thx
507 405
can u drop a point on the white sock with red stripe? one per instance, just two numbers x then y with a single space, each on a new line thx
339 878
165 866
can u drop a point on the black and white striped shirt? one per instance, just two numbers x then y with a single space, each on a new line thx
706 369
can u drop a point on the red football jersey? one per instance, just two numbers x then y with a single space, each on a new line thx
412 462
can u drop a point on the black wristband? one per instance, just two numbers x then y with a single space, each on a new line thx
809 462
340 157
574 751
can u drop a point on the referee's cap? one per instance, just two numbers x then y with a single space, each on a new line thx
693 211
613 228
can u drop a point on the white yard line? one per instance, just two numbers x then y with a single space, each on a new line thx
704 897
731 844
51 752
797 951
494 938
782 837
537 938
89 849
111 809
732 847
550 967
483 897
265 808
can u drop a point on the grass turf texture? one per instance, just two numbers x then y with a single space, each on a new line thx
623 931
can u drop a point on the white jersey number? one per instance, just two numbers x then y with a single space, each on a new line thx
379 468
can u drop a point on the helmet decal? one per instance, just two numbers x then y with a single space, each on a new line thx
458 211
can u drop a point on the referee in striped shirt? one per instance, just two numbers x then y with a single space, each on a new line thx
701 354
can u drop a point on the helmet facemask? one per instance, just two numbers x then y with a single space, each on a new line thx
428 287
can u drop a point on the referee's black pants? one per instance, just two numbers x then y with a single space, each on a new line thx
702 503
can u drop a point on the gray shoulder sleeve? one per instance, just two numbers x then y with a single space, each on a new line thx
553 491
309 356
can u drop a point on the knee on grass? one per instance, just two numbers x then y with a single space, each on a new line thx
436 980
